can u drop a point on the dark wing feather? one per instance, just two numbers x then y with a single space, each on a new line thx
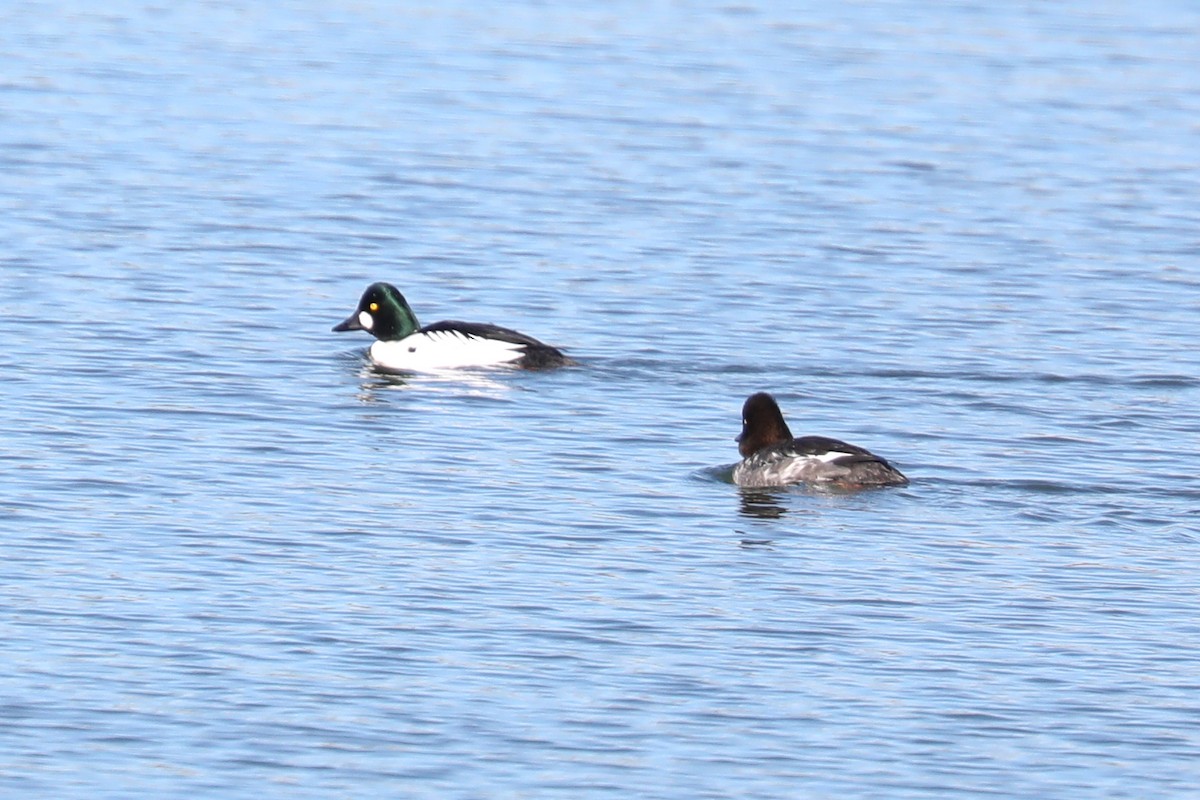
482 330
815 445
538 355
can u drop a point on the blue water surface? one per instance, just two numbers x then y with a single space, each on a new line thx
239 563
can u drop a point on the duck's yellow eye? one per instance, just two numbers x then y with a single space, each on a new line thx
374 306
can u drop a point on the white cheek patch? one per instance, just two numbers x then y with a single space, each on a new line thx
365 319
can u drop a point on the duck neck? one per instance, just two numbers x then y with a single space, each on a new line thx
398 322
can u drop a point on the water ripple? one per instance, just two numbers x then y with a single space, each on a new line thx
240 561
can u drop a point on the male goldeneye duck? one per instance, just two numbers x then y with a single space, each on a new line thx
772 457
405 346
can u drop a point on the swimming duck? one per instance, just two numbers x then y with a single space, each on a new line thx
772 457
405 346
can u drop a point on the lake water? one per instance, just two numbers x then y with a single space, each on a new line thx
237 563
